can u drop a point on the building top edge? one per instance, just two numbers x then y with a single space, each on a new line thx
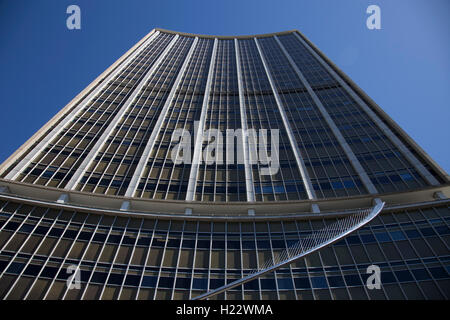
230 37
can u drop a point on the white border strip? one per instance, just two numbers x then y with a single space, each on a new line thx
12 175
151 142
248 172
192 183
71 185
301 164
391 136
340 138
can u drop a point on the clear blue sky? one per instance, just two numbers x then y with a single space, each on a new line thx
404 67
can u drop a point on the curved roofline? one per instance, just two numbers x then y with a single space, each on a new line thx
205 36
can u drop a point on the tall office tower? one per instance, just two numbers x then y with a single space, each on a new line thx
130 193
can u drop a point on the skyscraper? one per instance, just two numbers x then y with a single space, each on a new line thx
194 159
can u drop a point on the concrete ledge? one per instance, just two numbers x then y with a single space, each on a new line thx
210 210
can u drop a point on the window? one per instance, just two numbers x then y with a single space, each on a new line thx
319 282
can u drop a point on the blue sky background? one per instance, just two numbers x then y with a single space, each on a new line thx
404 67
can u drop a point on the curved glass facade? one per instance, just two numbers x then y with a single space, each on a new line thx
230 139
142 258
